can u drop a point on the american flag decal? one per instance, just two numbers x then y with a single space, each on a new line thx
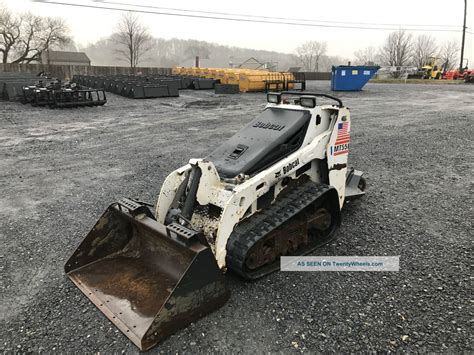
341 146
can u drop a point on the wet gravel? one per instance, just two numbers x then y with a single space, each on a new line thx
59 170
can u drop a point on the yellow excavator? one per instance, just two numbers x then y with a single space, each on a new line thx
434 69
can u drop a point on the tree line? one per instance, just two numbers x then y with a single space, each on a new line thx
137 45
402 48
24 37
133 44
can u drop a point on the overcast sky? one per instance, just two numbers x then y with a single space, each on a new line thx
88 25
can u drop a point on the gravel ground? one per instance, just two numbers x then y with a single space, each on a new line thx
61 168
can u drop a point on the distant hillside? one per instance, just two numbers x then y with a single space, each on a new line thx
178 52
181 52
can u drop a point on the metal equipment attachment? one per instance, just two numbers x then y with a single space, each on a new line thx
148 279
355 184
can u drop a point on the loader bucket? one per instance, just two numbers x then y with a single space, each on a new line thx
150 280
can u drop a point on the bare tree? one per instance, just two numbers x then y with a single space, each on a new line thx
366 56
449 53
133 38
310 54
327 62
9 32
38 35
23 38
29 46
397 48
55 33
424 49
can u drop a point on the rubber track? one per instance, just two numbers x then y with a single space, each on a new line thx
253 229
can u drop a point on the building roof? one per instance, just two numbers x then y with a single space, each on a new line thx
71 57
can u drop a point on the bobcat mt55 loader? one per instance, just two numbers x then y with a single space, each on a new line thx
274 188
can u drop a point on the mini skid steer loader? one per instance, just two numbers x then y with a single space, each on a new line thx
274 188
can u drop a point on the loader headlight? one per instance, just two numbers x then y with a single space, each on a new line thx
274 98
308 101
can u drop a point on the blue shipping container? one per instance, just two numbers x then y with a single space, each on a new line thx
350 77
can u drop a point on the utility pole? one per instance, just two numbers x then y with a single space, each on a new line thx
463 36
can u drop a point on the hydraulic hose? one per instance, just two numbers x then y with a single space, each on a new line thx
190 201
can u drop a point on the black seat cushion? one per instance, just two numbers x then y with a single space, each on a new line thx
270 137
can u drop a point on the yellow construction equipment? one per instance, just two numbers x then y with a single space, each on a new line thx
434 69
263 81
249 80
177 70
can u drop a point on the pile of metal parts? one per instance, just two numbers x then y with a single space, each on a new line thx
275 81
12 83
145 87
233 80
51 92
57 94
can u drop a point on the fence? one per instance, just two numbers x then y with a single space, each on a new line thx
316 75
68 71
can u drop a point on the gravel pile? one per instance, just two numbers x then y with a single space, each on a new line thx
60 169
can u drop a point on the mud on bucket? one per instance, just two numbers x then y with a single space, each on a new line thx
150 280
